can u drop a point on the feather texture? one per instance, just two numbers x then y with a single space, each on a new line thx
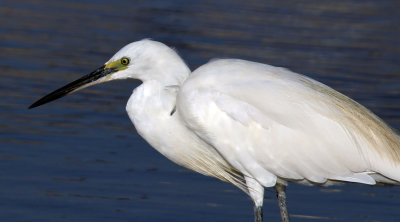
270 122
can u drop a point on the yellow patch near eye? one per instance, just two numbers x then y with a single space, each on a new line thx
112 64
117 64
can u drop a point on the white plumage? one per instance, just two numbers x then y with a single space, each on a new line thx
272 123
249 124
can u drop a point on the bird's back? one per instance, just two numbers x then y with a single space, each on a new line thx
271 123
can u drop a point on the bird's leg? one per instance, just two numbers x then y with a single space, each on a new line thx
258 213
281 195
256 192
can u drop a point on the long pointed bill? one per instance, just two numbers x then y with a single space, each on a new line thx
87 80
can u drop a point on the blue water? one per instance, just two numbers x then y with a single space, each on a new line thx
80 158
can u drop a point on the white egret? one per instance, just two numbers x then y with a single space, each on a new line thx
250 124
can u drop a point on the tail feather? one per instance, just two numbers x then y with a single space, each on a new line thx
379 178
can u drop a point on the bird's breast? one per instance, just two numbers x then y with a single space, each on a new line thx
168 134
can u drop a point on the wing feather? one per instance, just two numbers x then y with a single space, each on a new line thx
269 122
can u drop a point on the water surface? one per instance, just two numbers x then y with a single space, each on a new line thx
80 158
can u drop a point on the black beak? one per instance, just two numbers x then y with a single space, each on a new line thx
76 85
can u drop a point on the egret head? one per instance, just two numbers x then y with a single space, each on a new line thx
144 60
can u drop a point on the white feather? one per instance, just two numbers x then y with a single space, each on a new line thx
268 121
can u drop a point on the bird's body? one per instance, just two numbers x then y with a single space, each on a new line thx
249 124
271 123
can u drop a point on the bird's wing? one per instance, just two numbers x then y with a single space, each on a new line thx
269 122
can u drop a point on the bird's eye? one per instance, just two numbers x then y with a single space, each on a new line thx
125 61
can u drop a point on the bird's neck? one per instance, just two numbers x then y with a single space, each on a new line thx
151 109
156 97
152 98
166 72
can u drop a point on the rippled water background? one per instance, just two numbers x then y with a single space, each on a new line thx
80 159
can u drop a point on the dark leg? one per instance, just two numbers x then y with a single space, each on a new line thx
258 213
281 195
